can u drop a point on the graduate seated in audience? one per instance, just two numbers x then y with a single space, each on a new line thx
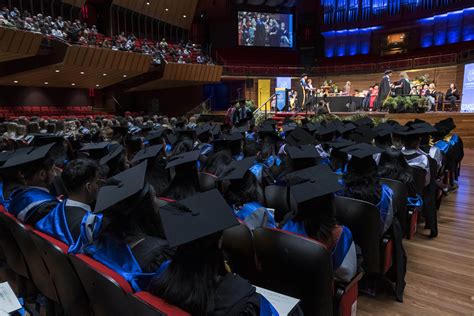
217 163
10 180
411 150
185 181
313 190
131 240
33 201
361 181
197 279
244 194
81 181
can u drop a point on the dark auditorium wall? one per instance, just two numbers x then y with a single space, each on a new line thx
35 96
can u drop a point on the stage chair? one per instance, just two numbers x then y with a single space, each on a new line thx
146 304
106 289
419 176
71 294
446 103
298 267
238 246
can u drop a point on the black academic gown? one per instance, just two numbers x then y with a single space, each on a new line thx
384 91
74 217
151 252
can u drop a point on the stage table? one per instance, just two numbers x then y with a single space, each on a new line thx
343 103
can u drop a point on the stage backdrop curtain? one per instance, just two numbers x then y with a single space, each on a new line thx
264 92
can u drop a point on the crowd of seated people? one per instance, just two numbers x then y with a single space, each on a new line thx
76 32
150 229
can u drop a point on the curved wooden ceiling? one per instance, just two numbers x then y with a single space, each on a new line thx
16 44
175 12
76 3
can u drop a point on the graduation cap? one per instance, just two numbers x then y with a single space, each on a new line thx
44 139
311 127
364 121
196 217
268 131
115 153
4 156
302 152
325 129
216 130
187 157
120 130
387 72
424 128
122 186
340 143
145 128
383 130
171 138
303 75
346 127
289 126
270 122
363 134
322 181
27 155
299 137
362 150
147 153
232 137
241 129
236 170
447 124
96 150
203 129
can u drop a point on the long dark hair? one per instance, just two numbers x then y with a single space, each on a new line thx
393 166
192 277
184 184
217 163
361 180
243 191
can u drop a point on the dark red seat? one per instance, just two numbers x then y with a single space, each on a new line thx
71 294
298 267
108 291
146 304
399 201
11 250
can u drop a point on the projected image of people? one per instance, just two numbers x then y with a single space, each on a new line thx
265 29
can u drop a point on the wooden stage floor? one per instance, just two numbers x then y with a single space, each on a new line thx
440 276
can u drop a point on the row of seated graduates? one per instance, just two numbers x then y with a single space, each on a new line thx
242 164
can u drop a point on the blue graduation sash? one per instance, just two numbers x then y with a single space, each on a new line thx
247 210
443 146
118 256
342 247
25 201
295 227
4 201
206 149
385 207
266 308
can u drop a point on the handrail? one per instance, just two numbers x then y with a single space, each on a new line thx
203 105
258 109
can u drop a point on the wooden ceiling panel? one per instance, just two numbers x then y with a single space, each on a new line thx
84 67
16 44
75 3
182 75
175 12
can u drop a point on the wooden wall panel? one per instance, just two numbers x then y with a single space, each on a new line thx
169 11
75 3
16 44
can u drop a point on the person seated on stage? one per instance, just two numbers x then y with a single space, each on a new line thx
452 95
244 194
33 201
81 180
315 217
197 279
414 91
431 95
131 240
361 181
347 89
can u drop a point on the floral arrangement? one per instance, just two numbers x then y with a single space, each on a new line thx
406 104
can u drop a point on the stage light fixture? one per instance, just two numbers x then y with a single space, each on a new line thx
184 16
97 85
82 72
166 9
73 84
125 76
46 83
16 81
148 3
104 74
57 70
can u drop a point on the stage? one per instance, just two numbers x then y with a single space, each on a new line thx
464 121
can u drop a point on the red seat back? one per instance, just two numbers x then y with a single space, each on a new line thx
11 250
146 304
71 293
106 289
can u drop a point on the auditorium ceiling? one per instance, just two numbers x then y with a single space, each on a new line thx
16 44
175 12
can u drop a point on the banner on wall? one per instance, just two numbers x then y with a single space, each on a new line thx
264 92
283 82
467 103
281 99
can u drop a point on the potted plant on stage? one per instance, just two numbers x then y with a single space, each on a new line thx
406 104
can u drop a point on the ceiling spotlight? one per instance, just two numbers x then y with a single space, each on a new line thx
104 74
97 85
46 83
82 72
73 84
16 81
125 76
166 9
148 3
57 70
184 16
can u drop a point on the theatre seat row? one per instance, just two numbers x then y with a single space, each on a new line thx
75 284
54 112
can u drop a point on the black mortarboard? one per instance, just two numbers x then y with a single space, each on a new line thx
321 181
184 133
31 155
187 157
241 129
299 137
196 217
363 134
447 124
270 122
44 139
95 146
302 152
288 127
236 170
326 129
364 121
115 152
340 143
311 127
346 127
268 131
232 137
203 129
423 128
147 153
171 138
145 128
304 75
216 130
4 156
121 187
362 150
383 129
387 72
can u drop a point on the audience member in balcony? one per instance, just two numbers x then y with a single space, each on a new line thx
181 60
452 95
163 44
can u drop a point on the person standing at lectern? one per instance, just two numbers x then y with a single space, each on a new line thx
384 89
